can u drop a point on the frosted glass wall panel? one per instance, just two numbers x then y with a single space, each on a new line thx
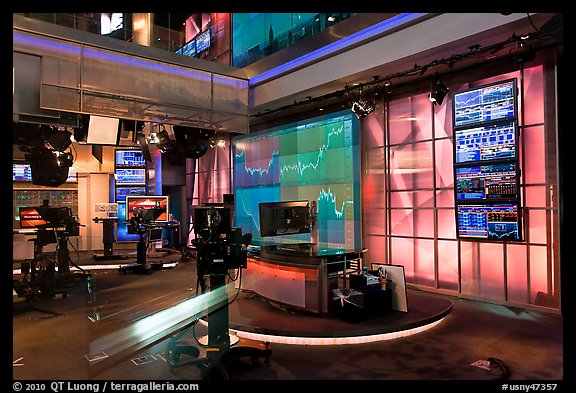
424 223
410 119
535 161
444 162
492 270
376 250
534 95
411 166
402 253
535 196
424 262
422 198
445 198
402 222
446 227
375 222
448 265
517 273
373 130
538 271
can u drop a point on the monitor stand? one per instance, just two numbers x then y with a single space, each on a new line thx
140 266
108 231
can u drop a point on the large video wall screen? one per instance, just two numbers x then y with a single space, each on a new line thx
314 160
486 163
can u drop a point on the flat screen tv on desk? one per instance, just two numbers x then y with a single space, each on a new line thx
155 207
284 218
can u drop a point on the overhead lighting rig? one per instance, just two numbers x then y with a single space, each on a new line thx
516 42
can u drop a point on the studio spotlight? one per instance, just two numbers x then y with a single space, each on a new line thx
362 107
164 142
438 92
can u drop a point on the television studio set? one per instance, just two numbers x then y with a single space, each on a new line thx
288 196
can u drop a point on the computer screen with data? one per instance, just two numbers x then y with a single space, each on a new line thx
486 162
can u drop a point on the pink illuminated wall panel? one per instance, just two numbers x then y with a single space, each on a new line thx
402 222
492 270
445 198
469 272
424 223
402 253
373 134
446 227
444 162
535 196
534 95
424 262
376 249
422 198
410 119
535 161
448 265
538 271
375 222
517 273
537 226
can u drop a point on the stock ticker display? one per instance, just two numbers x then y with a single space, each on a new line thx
494 222
486 164
487 182
315 160
486 143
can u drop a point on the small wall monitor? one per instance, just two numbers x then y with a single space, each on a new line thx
487 182
149 207
123 192
21 172
129 158
491 222
284 218
130 176
203 41
485 104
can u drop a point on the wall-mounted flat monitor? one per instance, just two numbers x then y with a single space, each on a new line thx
22 171
151 207
189 49
284 218
489 221
103 130
123 192
487 182
203 41
129 158
486 143
484 104
130 176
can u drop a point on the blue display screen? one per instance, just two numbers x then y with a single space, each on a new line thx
494 221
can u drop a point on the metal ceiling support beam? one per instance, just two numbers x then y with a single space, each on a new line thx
88 74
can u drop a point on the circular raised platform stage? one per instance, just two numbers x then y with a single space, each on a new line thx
253 317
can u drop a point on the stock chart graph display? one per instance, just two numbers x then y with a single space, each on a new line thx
316 160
